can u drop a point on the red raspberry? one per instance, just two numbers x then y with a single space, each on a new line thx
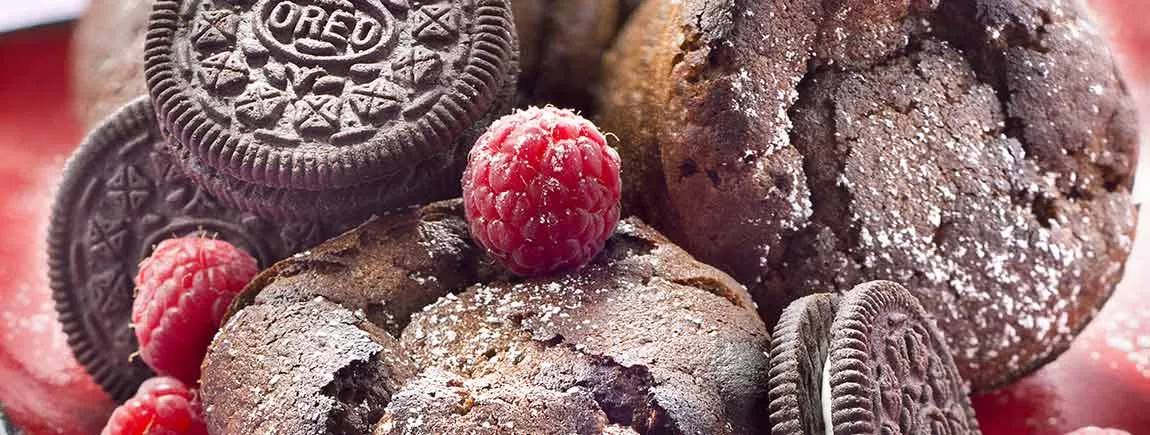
162 406
184 290
541 190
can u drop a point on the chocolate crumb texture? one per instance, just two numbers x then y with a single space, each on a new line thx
388 268
301 368
644 337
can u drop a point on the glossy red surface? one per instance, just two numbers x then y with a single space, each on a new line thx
42 387
1103 380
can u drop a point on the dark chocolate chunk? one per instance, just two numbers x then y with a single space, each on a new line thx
121 195
304 128
875 364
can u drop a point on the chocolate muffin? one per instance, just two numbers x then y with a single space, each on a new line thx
301 367
643 340
645 336
387 268
561 46
349 296
980 153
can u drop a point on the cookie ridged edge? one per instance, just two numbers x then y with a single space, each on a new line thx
352 203
472 94
851 380
132 115
787 350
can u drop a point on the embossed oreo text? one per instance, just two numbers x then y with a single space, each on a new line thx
325 30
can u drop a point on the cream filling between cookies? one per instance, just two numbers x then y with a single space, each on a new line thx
826 396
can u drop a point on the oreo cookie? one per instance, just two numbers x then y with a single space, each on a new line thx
869 361
315 108
120 195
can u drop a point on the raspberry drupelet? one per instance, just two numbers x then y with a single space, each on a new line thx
541 191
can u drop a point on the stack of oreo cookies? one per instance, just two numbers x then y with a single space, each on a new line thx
272 124
327 109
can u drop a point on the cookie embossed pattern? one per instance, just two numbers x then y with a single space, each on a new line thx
887 358
915 391
312 108
121 195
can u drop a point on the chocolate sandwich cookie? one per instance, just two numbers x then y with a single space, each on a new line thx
868 362
980 152
121 195
799 347
319 108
